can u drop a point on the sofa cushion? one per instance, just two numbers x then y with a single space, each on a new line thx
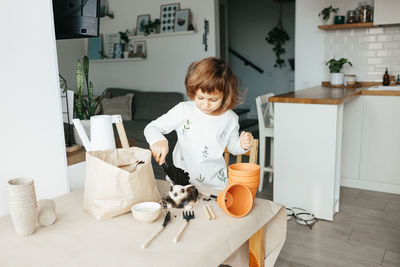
151 105
118 105
115 92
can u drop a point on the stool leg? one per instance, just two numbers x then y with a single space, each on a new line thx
262 161
271 161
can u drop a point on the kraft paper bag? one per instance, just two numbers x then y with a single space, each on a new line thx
116 179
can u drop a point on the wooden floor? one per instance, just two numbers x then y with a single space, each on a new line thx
365 232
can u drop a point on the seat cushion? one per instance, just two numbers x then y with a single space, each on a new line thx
118 105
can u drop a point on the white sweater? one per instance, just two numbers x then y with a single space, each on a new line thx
201 142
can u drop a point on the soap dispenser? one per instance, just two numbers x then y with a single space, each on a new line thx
386 78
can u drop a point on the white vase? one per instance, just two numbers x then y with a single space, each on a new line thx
86 126
331 19
337 78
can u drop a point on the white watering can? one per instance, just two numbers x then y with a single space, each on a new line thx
101 132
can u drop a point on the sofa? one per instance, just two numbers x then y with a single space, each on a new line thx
147 106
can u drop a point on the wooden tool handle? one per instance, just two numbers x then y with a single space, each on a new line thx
178 236
152 237
212 214
207 212
122 134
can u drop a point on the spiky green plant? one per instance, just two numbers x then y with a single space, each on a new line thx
85 105
336 65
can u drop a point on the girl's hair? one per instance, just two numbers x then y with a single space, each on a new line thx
213 74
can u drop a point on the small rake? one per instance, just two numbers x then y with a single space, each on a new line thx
188 215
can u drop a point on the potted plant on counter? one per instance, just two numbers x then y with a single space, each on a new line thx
328 14
334 68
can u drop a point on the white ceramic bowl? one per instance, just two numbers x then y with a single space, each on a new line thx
146 212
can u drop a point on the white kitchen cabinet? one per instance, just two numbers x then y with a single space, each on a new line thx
351 142
386 12
380 144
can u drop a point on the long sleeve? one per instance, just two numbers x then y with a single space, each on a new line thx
234 146
165 124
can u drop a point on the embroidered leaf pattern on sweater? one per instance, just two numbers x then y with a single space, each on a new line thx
201 178
221 176
186 126
205 152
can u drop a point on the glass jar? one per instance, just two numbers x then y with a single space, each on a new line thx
364 14
351 16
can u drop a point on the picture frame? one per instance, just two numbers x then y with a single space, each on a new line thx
139 49
182 20
140 22
167 17
118 50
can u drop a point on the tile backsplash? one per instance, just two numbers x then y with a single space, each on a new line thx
370 50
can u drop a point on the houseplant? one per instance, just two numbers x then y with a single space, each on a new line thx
278 37
85 106
334 68
327 15
152 26
124 37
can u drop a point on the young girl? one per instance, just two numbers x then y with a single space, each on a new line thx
205 125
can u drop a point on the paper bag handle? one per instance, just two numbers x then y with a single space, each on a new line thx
117 119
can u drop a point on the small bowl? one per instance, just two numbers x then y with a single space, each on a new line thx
146 212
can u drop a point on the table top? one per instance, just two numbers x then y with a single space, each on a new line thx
326 95
77 239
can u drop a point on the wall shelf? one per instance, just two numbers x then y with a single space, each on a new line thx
116 59
160 35
347 26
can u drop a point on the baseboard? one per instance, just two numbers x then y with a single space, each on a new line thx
370 185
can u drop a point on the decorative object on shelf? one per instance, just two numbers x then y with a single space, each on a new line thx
141 21
339 19
124 37
334 68
352 16
152 27
118 50
205 33
105 10
278 37
139 49
182 20
327 17
364 13
167 17
95 47
109 41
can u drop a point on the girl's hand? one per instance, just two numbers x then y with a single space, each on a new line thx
159 150
246 140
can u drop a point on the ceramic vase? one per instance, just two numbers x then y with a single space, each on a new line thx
22 205
337 78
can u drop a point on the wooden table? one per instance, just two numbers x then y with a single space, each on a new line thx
77 239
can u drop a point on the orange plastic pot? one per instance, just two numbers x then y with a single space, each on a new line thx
236 200
243 169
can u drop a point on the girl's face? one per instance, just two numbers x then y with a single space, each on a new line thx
209 103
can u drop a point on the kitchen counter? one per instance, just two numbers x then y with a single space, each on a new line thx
311 127
330 96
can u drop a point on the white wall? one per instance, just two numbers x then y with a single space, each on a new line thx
68 53
249 23
31 141
309 43
167 57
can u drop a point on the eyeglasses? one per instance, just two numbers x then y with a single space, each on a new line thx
302 216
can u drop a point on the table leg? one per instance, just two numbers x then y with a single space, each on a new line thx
257 248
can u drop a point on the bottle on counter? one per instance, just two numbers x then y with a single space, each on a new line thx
392 80
386 78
